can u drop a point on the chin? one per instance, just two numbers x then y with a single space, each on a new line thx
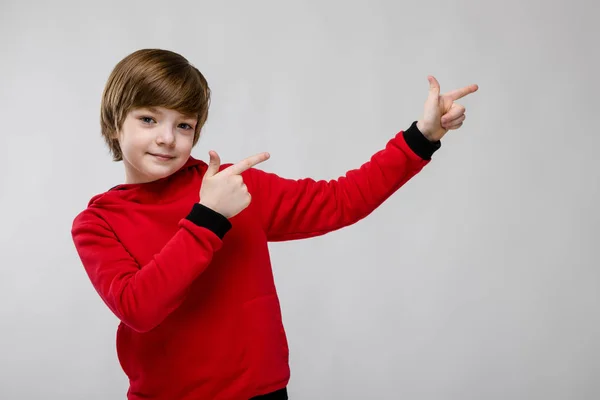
159 172
162 169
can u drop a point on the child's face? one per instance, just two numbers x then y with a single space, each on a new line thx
155 143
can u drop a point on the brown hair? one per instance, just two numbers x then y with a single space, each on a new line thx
152 78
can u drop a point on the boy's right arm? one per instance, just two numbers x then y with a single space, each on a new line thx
142 296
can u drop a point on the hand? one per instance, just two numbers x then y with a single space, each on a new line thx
441 114
225 191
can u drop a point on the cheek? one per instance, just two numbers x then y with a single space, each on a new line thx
134 141
185 142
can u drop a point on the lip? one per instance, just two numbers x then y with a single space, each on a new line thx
161 156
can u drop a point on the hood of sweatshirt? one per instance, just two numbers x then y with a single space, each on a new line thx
161 191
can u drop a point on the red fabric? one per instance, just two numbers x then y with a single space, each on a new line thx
200 316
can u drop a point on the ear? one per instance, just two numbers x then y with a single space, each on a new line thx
115 135
117 130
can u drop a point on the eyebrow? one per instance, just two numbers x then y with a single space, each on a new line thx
153 110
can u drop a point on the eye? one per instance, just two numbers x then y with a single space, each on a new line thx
147 120
186 126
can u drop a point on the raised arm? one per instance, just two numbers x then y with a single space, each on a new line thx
296 209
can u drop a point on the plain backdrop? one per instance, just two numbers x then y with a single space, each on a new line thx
477 280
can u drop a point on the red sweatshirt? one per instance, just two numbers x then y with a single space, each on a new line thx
194 291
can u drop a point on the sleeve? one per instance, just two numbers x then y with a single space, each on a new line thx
143 296
297 209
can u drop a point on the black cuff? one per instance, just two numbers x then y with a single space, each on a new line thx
209 219
419 143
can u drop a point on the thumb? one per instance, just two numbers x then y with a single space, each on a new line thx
214 164
434 87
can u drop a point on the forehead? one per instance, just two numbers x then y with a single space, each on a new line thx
165 112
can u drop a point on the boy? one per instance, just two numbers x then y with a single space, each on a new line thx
179 251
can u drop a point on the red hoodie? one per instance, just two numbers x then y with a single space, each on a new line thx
200 316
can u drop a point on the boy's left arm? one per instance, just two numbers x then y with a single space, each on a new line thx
296 209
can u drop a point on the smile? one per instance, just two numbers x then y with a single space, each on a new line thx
162 157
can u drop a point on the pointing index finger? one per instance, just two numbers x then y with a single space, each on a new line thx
460 93
246 164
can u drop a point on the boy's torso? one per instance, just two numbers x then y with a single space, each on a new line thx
227 337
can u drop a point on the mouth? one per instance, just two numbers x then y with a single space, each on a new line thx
162 157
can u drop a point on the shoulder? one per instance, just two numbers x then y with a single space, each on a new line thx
94 214
88 217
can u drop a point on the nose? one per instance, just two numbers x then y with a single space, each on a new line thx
166 136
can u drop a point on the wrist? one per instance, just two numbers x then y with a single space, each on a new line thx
208 218
418 143
425 131
209 205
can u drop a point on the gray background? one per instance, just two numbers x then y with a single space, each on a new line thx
477 280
